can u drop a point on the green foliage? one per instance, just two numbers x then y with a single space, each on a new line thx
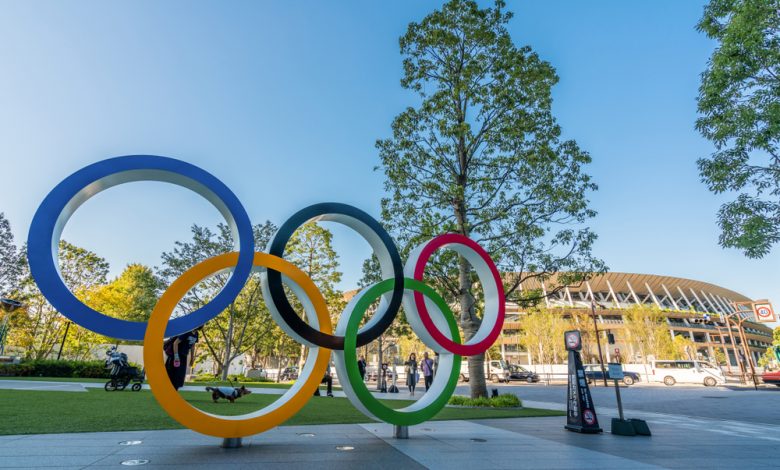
769 358
10 259
246 322
234 378
501 401
647 329
39 328
542 335
51 368
131 296
683 348
481 155
739 103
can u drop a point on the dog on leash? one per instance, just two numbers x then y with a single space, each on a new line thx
228 393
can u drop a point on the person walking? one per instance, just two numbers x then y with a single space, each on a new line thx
177 349
411 372
362 368
328 380
427 367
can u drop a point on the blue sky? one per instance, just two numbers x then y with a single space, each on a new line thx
283 102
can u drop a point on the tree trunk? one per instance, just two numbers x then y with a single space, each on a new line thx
228 338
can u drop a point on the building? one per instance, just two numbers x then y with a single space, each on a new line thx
683 301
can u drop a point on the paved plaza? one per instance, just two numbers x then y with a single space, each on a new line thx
693 438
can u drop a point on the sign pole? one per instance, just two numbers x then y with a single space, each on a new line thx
619 401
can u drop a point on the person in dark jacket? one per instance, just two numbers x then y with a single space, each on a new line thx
362 368
411 372
177 350
427 367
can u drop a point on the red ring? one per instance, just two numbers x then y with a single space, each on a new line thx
419 301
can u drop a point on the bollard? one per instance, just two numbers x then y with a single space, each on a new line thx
401 432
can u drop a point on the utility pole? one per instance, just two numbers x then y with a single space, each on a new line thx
598 342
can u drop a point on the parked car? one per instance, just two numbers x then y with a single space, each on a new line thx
594 372
520 373
496 371
258 373
288 373
696 372
771 378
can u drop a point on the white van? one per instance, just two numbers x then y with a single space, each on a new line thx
695 372
495 371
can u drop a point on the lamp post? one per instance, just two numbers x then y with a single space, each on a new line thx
598 342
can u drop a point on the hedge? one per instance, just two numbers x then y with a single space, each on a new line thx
501 401
52 368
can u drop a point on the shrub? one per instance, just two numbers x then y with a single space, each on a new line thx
501 401
54 368
233 378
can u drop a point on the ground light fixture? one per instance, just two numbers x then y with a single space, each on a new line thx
134 462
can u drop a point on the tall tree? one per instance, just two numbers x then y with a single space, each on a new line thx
739 103
246 321
10 259
311 249
481 155
39 327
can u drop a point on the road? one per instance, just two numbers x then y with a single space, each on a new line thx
725 403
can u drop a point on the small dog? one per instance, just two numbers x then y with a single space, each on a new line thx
228 393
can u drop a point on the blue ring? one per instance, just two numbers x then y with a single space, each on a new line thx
74 190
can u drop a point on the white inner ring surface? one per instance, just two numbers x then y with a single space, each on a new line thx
308 366
489 288
131 176
443 371
381 252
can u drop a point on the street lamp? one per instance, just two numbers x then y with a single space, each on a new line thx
598 341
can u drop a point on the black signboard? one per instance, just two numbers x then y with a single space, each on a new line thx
581 412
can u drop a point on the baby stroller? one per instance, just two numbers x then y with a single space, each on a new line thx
122 373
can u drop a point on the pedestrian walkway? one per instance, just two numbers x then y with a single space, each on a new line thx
677 442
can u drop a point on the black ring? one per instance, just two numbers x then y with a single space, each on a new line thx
279 298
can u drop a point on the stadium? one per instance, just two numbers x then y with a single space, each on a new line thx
684 303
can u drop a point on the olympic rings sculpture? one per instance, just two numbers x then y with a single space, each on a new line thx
428 314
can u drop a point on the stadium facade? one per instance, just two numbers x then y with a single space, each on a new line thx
684 303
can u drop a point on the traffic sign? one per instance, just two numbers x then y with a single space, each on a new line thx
617 351
573 340
764 312
615 371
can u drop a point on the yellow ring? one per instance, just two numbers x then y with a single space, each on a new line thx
231 426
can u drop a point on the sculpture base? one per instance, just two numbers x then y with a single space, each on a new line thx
401 432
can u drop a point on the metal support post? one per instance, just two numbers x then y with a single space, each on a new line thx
231 443
400 432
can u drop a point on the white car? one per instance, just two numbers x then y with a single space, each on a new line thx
693 372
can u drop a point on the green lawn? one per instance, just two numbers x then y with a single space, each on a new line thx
33 412
204 384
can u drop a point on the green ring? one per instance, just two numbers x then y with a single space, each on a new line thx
389 415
